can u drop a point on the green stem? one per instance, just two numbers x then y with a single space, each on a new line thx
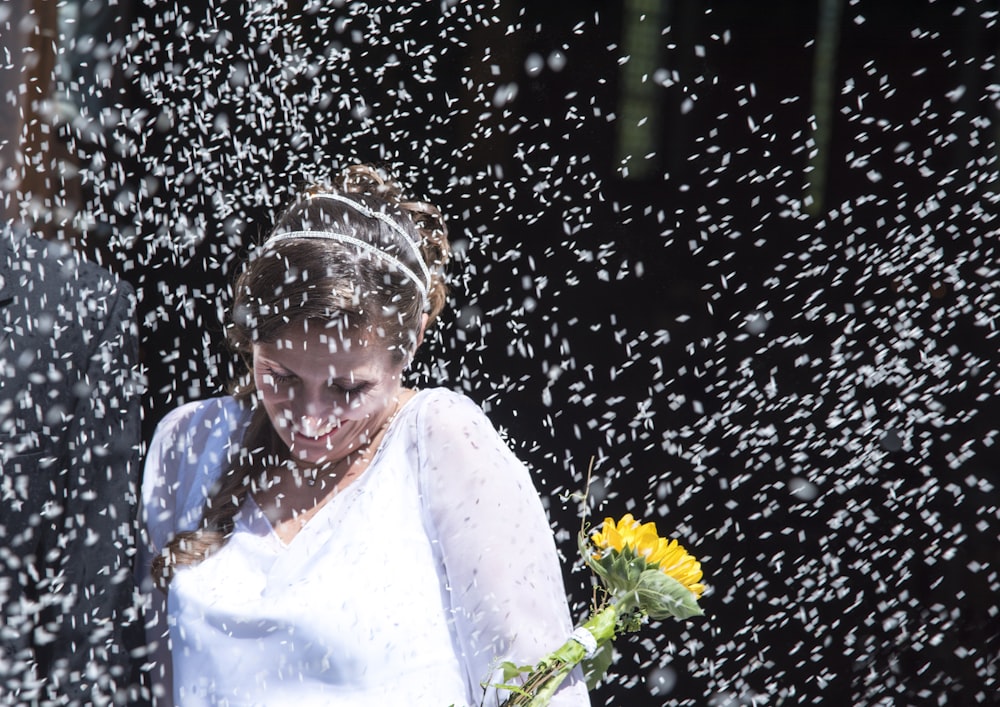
546 678
602 624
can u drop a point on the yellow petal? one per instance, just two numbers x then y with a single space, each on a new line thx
668 555
608 537
645 541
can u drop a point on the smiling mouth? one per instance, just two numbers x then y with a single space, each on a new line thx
315 435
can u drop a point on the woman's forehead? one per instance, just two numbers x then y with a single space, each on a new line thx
326 335
317 346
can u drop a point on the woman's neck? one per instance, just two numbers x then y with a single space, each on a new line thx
293 492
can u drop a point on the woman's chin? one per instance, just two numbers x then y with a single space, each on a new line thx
329 448
313 454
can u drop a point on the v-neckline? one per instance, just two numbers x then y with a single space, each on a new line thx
351 488
259 518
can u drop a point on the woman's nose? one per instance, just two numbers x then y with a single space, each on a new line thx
322 404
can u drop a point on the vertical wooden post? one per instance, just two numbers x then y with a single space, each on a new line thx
30 153
824 76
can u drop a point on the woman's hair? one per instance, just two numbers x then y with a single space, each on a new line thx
355 253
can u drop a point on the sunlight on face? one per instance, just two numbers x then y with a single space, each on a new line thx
326 391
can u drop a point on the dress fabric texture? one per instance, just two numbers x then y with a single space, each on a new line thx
406 588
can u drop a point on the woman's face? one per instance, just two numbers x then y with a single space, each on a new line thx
327 391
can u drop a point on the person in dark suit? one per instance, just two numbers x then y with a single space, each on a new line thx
69 455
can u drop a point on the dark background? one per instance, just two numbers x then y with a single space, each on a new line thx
742 255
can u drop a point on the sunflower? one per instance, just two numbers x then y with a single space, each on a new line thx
643 576
643 540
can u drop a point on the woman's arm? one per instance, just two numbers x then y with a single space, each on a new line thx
503 573
185 458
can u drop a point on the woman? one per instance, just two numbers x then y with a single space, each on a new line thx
327 535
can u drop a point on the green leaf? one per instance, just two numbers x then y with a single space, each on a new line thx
511 670
622 571
517 689
595 667
661 596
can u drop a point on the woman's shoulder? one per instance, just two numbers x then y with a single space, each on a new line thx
445 418
192 440
224 406
438 397
202 418
186 456
437 405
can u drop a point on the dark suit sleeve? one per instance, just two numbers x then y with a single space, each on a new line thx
94 650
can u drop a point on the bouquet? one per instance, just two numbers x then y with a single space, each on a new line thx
640 575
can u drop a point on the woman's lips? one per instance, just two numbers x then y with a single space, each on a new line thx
314 435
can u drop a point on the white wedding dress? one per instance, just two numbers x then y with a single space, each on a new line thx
405 589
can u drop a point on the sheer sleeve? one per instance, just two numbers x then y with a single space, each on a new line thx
502 571
189 450
186 456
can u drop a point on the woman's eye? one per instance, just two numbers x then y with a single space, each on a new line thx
352 389
278 377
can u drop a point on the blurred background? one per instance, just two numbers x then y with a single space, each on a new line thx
739 258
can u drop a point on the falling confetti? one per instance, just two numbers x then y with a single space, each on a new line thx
745 259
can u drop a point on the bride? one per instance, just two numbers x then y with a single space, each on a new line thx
326 535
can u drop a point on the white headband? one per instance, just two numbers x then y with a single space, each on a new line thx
364 245
388 221
423 284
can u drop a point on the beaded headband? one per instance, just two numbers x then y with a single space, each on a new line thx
364 245
423 284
